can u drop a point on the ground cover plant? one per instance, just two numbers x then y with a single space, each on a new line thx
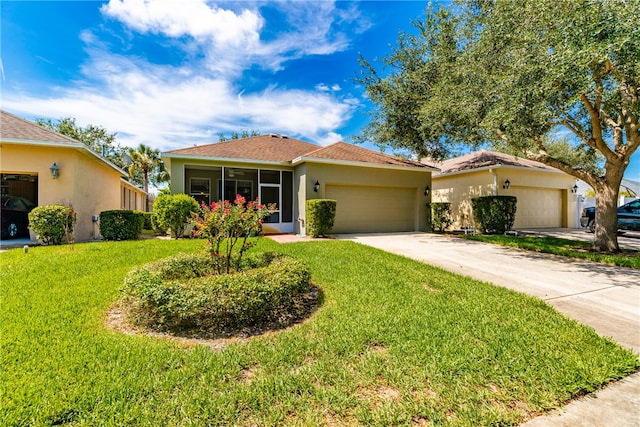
181 294
564 247
396 342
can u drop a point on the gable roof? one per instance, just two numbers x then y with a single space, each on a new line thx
483 159
281 149
274 148
16 130
341 151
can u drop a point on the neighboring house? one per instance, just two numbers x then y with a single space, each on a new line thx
375 192
88 182
546 196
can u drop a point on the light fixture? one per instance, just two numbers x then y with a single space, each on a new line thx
574 189
316 186
506 184
55 171
427 190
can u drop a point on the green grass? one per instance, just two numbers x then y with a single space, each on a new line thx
564 247
396 342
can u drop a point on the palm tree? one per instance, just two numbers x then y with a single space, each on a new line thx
147 161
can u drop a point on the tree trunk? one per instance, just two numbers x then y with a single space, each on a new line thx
606 231
145 174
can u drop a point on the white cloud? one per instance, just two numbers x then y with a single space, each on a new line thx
173 106
176 18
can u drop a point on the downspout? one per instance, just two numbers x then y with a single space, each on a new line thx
495 181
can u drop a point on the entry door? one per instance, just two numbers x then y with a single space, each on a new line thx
270 193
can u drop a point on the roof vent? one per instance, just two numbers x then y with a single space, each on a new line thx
274 135
284 136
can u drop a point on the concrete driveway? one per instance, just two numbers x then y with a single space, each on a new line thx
607 298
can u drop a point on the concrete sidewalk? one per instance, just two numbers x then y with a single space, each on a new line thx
607 298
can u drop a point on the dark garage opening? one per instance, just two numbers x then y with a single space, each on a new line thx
19 194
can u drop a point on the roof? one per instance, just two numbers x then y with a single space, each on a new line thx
352 153
278 148
485 159
15 128
632 187
275 148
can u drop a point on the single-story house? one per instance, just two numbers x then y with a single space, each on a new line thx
546 196
375 192
29 156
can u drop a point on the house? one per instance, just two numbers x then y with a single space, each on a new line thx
375 192
29 155
546 196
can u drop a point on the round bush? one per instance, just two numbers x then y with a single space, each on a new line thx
172 211
178 294
52 223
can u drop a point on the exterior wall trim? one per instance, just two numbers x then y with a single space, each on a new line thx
498 166
304 159
77 145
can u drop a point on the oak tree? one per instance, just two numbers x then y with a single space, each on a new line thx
512 74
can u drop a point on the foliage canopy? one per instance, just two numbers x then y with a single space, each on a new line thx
513 74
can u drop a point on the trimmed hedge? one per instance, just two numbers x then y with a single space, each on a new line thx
121 224
441 216
148 220
52 223
321 214
494 214
178 294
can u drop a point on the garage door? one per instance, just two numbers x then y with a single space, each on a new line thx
538 208
373 209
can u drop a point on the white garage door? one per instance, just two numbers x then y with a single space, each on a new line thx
373 209
538 208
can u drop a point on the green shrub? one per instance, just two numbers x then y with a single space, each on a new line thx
173 211
494 214
148 220
153 296
157 228
441 216
121 224
52 223
321 214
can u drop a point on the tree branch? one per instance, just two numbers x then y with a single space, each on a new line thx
543 157
598 141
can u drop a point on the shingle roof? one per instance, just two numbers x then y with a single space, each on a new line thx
13 127
279 148
276 148
486 158
352 153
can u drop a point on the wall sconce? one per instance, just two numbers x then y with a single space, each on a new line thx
427 190
574 189
316 186
506 184
55 171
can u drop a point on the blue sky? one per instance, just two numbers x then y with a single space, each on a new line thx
172 77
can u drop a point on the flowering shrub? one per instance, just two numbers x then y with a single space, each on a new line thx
224 225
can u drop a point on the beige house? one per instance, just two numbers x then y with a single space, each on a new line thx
88 182
375 192
546 196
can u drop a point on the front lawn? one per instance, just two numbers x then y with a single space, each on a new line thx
564 247
396 342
